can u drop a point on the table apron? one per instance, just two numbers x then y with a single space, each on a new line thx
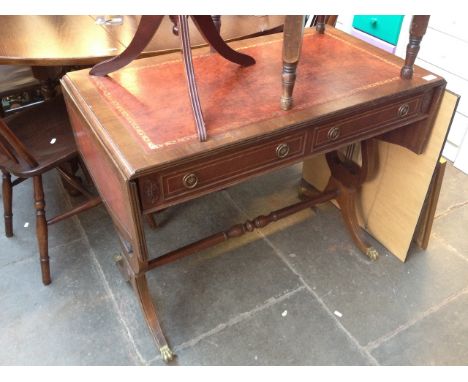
182 182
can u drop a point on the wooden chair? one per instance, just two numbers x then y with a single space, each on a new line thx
33 142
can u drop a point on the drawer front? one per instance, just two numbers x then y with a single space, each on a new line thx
384 27
378 119
221 170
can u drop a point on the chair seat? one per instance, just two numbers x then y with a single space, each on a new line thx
37 128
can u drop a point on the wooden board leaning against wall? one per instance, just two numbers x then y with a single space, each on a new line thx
390 205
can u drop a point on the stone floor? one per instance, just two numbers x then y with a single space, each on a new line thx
294 293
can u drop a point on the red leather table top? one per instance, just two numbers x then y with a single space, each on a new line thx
150 106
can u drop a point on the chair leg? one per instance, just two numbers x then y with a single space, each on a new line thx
7 190
41 229
292 45
320 26
418 28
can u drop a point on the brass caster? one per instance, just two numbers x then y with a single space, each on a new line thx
118 258
372 253
166 354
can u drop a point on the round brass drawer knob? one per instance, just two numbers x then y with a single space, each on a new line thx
403 110
190 180
334 133
282 150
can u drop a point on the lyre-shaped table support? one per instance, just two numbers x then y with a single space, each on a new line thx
345 181
147 28
347 178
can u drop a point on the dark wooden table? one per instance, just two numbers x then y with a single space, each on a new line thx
79 40
55 41
49 43
135 132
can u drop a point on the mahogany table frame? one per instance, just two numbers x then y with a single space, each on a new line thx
410 115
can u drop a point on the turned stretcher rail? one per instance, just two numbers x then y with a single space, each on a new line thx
240 229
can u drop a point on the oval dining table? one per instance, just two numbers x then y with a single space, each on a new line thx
52 45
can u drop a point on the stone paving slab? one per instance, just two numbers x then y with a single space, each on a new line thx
438 339
294 331
70 322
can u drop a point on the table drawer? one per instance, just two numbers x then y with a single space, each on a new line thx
377 119
208 174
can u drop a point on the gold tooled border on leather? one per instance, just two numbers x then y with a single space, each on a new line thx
146 140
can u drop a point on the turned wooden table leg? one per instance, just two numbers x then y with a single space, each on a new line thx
48 77
7 191
417 30
48 88
347 178
292 44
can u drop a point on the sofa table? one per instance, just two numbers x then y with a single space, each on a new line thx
135 132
